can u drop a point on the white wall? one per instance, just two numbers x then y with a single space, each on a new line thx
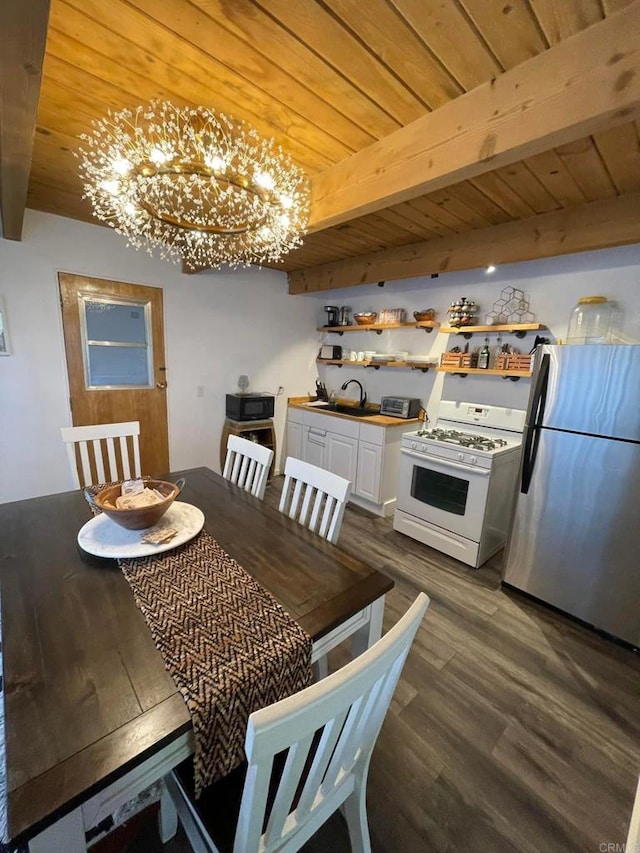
554 285
217 326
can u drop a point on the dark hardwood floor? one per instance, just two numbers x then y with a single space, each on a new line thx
513 729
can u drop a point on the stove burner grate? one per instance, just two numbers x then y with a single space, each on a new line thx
463 439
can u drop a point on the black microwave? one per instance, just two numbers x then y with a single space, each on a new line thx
250 407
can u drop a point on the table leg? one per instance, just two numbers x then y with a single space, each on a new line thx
65 834
168 817
370 633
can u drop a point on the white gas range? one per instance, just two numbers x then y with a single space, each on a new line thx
456 485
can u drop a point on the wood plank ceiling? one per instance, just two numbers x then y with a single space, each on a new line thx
327 78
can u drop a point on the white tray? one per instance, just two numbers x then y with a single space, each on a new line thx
104 538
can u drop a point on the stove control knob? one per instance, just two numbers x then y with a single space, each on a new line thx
473 460
414 444
423 447
461 457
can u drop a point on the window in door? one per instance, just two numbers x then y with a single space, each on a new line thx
116 343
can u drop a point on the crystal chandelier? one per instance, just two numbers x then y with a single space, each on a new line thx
196 184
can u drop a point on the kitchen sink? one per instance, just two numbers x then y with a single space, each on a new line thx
355 411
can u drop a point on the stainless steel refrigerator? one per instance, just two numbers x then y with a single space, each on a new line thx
575 540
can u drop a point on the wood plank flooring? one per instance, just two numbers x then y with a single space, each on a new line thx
513 729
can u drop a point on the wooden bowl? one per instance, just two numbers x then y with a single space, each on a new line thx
138 519
365 318
426 314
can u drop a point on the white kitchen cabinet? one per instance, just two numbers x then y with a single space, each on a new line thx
366 454
369 471
342 455
315 444
294 440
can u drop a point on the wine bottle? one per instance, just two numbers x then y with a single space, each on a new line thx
485 355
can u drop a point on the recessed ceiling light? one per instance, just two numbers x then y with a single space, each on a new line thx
491 268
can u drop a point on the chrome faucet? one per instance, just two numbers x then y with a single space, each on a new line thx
363 396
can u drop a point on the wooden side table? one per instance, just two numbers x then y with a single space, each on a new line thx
261 431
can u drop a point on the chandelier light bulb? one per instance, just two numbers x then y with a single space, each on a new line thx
264 180
157 156
110 186
215 162
194 184
121 166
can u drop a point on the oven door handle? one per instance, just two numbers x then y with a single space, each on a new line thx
446 463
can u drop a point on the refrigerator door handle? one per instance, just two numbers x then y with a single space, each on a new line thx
532 430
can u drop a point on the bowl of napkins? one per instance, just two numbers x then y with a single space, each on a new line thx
137 504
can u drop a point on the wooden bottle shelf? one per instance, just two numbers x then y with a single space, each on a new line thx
481 371
517 329
379 328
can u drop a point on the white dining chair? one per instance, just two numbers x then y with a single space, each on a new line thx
305 483
91 442
247 465
329 731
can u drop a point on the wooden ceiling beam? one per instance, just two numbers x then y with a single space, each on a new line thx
23 34
579 86
596 225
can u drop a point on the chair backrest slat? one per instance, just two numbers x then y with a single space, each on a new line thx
111 456
328 740
328 492
295 500
247 465
124 453
86 465
294 765
90 442
328 516
309 492
347 708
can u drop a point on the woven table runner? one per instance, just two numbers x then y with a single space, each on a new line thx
229 646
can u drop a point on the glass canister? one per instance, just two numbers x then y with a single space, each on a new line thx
593 321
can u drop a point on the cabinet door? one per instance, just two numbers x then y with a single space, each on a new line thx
294 440
369 476
342 455
314 444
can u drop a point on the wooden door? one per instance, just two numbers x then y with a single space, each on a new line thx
114 343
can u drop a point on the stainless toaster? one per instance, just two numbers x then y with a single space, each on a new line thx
400 407
329 351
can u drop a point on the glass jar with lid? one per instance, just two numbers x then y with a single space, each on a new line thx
593 321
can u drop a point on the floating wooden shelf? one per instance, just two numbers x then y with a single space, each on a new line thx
506 374
376 365
379 328
517 329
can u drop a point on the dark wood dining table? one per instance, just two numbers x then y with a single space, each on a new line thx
91 714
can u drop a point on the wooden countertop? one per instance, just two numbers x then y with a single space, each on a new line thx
375 420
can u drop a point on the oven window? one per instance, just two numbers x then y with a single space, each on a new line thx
442 491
